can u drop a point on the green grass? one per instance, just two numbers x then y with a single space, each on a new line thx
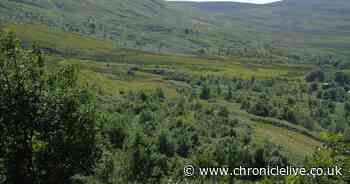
216 66
63 41
75 45
294 142
109 75
112 78
155 22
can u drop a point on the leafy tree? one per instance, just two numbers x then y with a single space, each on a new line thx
115 131
347 110
229 153
139 154
205 92
184 143
160 94
347 135
262 108
146 165
315 76
341 78
142 96
47 125
223 112
218 89
92 28
229 94
334 153
165 145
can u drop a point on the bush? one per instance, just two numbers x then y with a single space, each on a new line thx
315 76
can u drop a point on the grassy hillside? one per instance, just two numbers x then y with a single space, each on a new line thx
121 71
286 30
155 85
316 24
112 69
136 24
214 89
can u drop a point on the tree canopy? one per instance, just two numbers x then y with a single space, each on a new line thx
47 124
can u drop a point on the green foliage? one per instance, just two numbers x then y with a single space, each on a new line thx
342 79
347 110
47 125
333 154
165 145
205 92
316 75
262 108
229 94
150 24
152 115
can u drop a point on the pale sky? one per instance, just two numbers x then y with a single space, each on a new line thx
243 1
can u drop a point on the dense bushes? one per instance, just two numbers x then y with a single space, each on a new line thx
316 75
47 124
183 131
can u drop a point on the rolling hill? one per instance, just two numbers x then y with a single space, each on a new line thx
319 24
171 83
197 28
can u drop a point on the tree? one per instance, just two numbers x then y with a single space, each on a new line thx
47 125
229 94
205 92
92 28
341 78
262 108
347 110
218 89
315 76
146 165
165 145
229 153
223 112
114 130
313 87
159 93
139 172
335 152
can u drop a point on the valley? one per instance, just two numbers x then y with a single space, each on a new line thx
154 85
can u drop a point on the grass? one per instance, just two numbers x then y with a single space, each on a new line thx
112 79
75 45
217 66
62 41
155 23
295 140
292 141
109 75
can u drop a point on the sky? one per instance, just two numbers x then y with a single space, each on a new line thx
243 1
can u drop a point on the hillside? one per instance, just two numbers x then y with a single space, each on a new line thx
132 91
314 24
281 29
138 24
106 66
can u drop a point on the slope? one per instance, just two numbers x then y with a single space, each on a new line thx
293 24
110 76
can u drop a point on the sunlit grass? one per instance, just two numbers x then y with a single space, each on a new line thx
292 141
